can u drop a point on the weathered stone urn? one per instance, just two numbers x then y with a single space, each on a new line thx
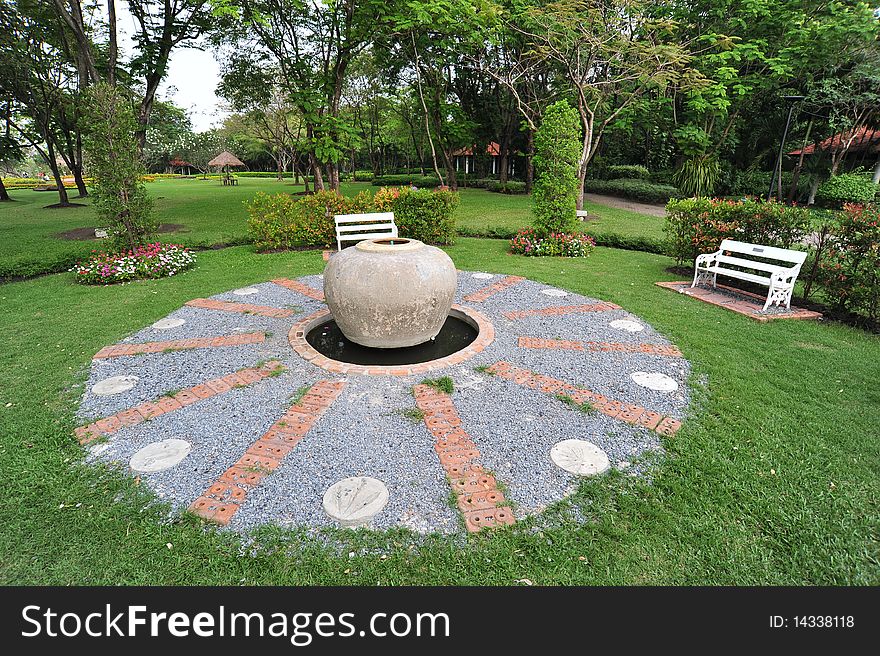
390 293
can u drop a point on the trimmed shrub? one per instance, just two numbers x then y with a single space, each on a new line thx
849 272
557 151
408 180
628 171
698 225
150 261
640 190
280 221
855 187
529 242
421 213
510 187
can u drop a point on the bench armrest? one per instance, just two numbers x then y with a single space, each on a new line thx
707 259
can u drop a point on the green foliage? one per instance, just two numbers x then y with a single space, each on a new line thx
421 213
628 171
444 384
400 180
641 190
752 182
280 221
557 153
509 187
698 175
118 193
698 225
855 187
850 269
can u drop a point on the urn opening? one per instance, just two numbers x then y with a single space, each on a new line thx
458 332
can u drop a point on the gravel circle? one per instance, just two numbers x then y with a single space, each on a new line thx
372 429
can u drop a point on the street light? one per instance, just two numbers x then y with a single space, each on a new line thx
792 101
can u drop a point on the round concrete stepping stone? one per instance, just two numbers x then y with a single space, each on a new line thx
246 291
554 292
114 385
484 276
579 457
355 501
627 325
654 380
159 455
168 323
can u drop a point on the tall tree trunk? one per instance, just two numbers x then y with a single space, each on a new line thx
80 182
4 195
451 178
796 174
112 48
530 162
504 147
63 200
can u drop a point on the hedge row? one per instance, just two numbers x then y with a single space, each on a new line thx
640 190
279 221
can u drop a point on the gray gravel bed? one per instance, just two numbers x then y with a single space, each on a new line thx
207 323
274 295
364 432
515 439
220 430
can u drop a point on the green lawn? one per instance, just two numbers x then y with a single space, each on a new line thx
213 214
773 480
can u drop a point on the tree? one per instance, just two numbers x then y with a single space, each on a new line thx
557 157
312 44
607 53
160 27
120 197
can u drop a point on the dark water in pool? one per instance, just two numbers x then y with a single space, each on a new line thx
327 339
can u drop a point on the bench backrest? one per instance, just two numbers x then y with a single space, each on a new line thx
355 227
767 252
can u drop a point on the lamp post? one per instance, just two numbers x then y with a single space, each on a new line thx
792 101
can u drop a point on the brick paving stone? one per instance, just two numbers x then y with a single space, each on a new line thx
266 454
165 404
629 413
240 308
745 303
477 492
297 286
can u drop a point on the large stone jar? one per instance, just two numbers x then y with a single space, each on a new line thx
390 293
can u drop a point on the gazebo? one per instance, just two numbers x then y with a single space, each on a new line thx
225 160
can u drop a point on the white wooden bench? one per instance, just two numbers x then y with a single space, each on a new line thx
779 275
355 227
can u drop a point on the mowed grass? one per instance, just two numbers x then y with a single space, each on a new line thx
211 214
772 480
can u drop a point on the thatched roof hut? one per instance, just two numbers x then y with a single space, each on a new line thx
226 159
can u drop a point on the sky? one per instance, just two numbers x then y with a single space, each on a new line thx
193 76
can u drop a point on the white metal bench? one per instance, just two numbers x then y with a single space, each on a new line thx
778 277
355 227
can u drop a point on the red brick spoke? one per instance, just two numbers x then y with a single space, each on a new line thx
627 412
562 309
297 286
240 308
118 350
223 498
165 404
601 347
482 294
481 502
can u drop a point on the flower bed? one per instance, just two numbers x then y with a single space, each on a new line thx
150 261
527 242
